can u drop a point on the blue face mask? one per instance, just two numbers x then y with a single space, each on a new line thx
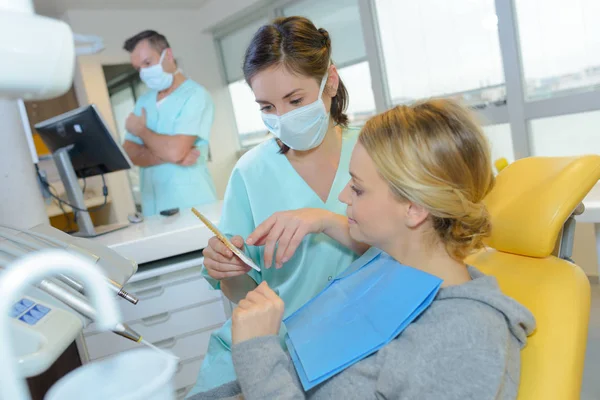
303 128
155 76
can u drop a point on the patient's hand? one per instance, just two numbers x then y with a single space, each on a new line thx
287 229
259 314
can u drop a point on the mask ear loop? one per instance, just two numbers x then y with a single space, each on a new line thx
324 82
162 57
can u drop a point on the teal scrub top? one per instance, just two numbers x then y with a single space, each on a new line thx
264 182
189 110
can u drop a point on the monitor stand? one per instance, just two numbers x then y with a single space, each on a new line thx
75 196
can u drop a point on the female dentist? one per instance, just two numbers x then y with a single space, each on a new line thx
302 101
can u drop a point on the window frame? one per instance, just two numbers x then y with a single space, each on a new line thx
515 110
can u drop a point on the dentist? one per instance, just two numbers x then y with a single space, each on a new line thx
302 101
169 129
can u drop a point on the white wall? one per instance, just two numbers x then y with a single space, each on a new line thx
193 46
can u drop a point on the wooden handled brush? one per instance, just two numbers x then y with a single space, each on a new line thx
240 254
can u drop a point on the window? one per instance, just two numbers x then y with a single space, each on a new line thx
247 116
500 141
341 19
560 46
122 103
441 48
391 52
124 87
566 135
233 47
357 79
139 88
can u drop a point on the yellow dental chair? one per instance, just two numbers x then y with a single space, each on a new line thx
532 208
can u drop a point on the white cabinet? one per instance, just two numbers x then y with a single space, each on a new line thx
187 372
177 311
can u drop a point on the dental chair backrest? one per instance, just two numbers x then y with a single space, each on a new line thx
530 203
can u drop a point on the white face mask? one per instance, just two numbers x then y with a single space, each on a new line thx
303 128
155 76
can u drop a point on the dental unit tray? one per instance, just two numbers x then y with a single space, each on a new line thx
15 243
54 311
41 332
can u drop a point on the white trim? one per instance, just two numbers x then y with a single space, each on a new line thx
562 105
493 115
351 62
508 33
220 61
368 18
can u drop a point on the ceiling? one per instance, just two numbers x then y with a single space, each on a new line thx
59 7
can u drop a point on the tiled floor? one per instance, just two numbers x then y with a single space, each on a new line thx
591 375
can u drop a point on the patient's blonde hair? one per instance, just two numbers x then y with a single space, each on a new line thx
435 155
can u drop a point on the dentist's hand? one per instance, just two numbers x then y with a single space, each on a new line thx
136 124
259 314
287 229
190 158
220 262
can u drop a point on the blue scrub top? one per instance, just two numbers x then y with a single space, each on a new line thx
189 110
264 182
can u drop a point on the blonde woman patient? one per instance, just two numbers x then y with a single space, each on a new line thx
419 175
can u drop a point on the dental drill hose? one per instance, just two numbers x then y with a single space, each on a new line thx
80 304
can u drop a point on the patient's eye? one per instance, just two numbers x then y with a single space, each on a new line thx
356 190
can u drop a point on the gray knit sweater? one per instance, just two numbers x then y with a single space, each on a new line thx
466 345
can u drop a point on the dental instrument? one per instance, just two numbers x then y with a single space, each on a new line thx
247 260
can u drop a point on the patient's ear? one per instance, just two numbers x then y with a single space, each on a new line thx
415 215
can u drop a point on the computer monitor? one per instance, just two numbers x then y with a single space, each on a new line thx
93 151
82 146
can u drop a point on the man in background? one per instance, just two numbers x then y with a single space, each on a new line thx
168 130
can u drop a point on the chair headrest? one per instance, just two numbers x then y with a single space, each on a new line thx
532 199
